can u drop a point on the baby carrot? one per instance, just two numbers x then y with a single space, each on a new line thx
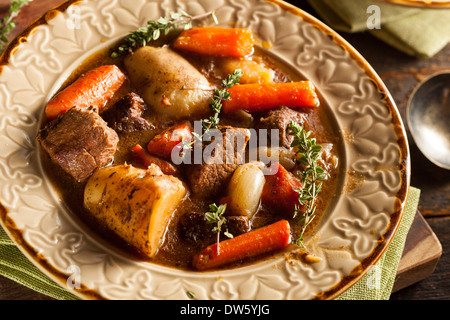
280 191
94 88
216 41
273 237
145 159
261 97
169 140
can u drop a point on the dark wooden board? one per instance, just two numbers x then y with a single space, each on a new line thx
421 254
436 286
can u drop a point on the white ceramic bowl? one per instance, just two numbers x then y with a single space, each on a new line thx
353 234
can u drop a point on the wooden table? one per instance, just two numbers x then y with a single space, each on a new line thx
401 73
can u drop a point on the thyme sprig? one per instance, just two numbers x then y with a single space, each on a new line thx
308 152
7 23
154 29
215 216
220 95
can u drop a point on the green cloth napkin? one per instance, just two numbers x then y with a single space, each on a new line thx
414 31
15 266
375 285
378 282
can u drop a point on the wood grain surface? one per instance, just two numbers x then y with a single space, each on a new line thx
421 254
401 73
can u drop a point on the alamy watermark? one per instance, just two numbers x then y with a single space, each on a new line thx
374 20
74 20
227 146
74 280
373 277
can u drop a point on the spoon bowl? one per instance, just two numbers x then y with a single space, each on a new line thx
428 118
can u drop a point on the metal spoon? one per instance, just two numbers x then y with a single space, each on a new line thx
428 117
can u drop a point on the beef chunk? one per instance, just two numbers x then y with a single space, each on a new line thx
280 119
238 225
210 177
126 114
79 141
194 226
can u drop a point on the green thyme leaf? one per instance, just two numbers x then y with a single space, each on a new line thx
215 106
215 216
153 30
312 175
190 294
7 23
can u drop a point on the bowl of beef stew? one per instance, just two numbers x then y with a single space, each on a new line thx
260 154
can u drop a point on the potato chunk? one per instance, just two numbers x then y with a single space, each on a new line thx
168 83
136 204
252 72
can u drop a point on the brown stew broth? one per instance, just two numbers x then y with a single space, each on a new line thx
176 252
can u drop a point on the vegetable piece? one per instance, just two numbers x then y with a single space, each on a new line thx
262 97
273 237
136 204
171 140
280 190
216 41
170 85
252 71
94 88
145 159
154 29
245 189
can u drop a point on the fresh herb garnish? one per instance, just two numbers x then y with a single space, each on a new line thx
221 95
308 152
7 23
215 106
190 294
215 216
154 29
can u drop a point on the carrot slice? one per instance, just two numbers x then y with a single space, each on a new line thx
94 88
216 41
145 159
280 191
261 97
273 237
169 140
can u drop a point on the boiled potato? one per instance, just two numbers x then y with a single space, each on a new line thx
136 204
252 72
245 189
168 83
